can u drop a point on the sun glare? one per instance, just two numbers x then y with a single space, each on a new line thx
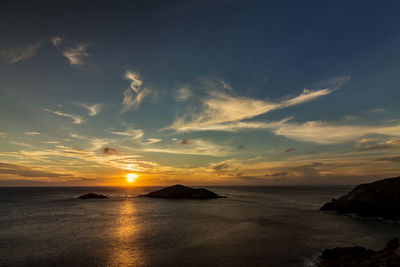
130 177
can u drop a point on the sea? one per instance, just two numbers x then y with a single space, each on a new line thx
253 226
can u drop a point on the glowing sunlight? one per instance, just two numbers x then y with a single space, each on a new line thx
131 177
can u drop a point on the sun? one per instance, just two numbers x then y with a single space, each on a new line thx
131 177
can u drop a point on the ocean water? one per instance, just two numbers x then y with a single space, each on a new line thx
254 226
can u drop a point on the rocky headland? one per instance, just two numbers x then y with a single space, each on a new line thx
376 199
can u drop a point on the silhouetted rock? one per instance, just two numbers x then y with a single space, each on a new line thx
92 195
359 256
182 192
377 199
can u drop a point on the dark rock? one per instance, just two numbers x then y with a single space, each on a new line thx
92 195
359 256
182 192
377 199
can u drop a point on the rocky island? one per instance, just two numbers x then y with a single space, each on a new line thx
182 192
92 196
377 199
359 256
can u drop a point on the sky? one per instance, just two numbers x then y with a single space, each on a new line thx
222 92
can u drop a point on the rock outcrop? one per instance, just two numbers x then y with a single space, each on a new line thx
359 256
377 199
92 196
182 192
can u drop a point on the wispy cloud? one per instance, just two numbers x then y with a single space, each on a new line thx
290 149
136 93
153 140
193 147
93 109
19 53
222 109
228 127
390 159
132 133
225 85
13 169
76 54
328 133
21 144
32 133
94 142
2 134
183 93
56 40
76 118
368 144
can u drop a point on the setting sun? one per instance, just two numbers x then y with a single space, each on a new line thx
130 177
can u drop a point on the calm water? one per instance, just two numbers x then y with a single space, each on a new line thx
254 226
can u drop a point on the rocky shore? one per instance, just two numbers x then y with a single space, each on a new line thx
359 256
377 199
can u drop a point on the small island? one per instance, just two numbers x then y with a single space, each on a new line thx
377 199
92 196
359 256
182 192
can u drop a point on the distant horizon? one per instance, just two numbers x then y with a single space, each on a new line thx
192 185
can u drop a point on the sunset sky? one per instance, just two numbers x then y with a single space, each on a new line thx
199 92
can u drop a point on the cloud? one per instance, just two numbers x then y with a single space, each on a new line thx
183 93
2 134
306 96
80 158
21 144
221 167
6 168
32 133
390 159
193 147
135 94
136 83
134 134
108 151
327 133
16 54
280 174
377 110
153 140
226 127
225 85
76 118
95 143
50 142
290 150
186 142
76 54
93 109
56 40
368 144
222 111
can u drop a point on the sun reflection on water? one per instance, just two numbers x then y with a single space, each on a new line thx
125 250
